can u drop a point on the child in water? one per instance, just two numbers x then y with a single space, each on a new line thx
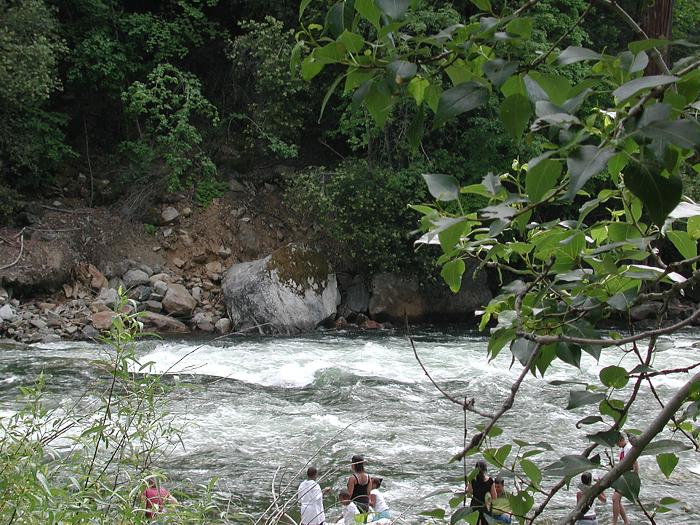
376 500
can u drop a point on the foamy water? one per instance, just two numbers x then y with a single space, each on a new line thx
265 403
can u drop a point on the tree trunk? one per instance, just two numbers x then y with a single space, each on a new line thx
656 19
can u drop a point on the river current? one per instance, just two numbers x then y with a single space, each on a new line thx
262 407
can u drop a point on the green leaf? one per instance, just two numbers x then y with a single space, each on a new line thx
631 88
452 274
442 187
614 376
352 41
667 462
335 20
571 465
556 87
684 133
328 94
417 87
628 485
355 78
401 70
310 67
614 409
573 54
515 114
379 104
585 163
664 446
394 9
458 100
416 130
532 471
568 353
606 438
644 45
499 70
502 454
520 27
483 5
499 339
684 243
435 513
579 398
369 10
450 236
466 514
522 349
302 7
542 178
659 194
521 502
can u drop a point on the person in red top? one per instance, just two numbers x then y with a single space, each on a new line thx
156 497
618 509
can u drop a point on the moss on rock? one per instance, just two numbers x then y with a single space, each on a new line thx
300 267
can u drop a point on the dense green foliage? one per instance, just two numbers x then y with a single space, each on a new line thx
182 93
577 227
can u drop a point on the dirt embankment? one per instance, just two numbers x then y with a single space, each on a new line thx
54 271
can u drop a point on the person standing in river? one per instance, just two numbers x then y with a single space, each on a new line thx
359 484
618 509
589 518
310 496
481 485
156 497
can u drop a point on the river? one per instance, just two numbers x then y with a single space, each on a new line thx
264 404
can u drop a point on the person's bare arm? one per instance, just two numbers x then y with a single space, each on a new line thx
351 484
373 500
602 497
492 490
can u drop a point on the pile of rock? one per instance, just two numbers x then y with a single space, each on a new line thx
169 304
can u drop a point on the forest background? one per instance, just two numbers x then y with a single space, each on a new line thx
184 95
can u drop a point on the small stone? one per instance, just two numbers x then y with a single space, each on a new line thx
39 324
370 324
197 294
102 320
147 269
223 251
97 279
245 219
187 211
159 277
239 212
68 290
178 301
223 326
57 204
108 297
215 277
154 306
163 324
46 306
214 267
167 232
280 236
199 256
140 293
50 338
7 313
169 215
156 248
89 332
235 186
178 262
135 277
159 287
270 187
70 329
4 296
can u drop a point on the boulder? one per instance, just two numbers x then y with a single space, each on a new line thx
178 301
169 215
394 296
140 293
162 323
644 311
135 277
223 326
7 313
290 291
357 295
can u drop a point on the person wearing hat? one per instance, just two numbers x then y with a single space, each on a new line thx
359 484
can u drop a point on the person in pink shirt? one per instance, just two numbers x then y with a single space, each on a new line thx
156 497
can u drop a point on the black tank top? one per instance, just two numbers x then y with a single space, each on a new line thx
360 494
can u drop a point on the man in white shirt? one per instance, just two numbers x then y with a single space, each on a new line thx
350 510
310 498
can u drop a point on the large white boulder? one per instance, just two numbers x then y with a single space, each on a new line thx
290 291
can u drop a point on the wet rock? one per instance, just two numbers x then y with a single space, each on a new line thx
394 296
169 215
102 320
357 295
135 278
370 324
163 324
178 301
290 291
50 338
341 323
223 326
645 311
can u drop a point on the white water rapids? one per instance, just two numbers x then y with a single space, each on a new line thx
263 403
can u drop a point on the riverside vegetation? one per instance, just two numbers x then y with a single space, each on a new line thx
581 212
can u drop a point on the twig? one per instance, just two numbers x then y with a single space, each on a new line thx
566 33
89 163
549 339
54 208
19 256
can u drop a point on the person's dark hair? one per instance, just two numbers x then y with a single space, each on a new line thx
498 480
311 472
344 494
586 478
481 465
377 481
358 463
